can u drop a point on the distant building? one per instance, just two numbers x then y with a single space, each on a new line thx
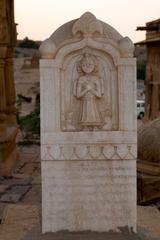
152 79
148 136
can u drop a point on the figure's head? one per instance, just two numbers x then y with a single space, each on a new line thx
88 63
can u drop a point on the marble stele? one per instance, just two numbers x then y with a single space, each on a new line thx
88 128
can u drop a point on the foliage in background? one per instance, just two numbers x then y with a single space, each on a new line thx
28 43
31 122
141 70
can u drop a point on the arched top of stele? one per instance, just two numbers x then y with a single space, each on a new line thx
87 26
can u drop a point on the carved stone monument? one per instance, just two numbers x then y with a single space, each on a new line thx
88 128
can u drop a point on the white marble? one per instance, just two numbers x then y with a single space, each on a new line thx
88 128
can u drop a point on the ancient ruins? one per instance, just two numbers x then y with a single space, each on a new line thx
88 128
149 133
152 81
8 126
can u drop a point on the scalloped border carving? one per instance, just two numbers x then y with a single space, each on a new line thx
88 152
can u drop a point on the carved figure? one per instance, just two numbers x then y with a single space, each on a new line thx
88 89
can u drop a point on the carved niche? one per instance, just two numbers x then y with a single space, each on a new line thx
90 93
89 88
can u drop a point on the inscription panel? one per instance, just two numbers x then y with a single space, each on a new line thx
83 195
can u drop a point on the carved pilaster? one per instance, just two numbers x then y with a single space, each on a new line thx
10 88
8 128
2 90
4 31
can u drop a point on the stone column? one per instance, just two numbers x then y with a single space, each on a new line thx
8 126
10 88
127 81
2 92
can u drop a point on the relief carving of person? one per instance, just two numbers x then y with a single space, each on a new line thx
88 89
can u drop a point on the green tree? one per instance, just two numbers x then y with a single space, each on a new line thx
141 70
28 43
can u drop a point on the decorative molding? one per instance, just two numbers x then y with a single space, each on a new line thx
47 49
126 47
87 25
88 152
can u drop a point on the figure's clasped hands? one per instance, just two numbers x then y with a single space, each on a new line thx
88 87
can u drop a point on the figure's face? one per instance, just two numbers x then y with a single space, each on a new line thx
87 66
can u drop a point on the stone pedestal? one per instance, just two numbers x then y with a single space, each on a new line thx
88 128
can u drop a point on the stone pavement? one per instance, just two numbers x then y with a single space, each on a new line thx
20 196
20 208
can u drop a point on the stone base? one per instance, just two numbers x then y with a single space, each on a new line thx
63 235
96 195
8 152
148 181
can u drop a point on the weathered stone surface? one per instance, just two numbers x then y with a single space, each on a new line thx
17 181
23 221
3 187
33 195
8 156
152 79
10 197
89 194
148 141
29 168
148 188
88 128
149 161
8 126
18 220
2 210
148 220
14 194
148 229
36 234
